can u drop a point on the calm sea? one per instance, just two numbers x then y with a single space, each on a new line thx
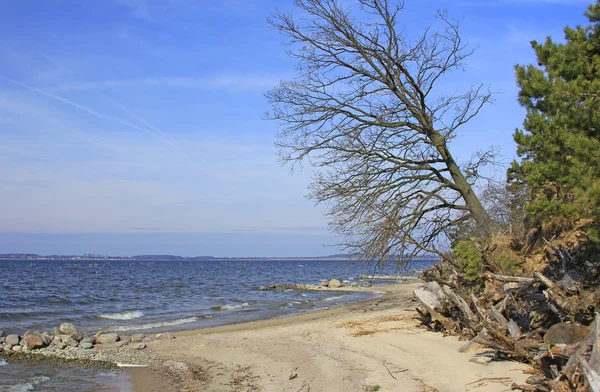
151 296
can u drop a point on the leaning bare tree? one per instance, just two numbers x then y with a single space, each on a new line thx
365 111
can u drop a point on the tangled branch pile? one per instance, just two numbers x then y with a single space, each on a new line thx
547 319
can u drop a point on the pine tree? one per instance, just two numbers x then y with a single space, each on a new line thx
559 145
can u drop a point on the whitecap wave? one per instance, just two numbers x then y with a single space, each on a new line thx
159 324
333 298
233 306
122 316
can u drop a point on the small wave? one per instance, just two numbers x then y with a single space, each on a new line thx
160 324
333 298
122 316
27 386
231 307
303 295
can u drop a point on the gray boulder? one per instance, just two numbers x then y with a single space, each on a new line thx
165 336
85 345
47 338
565 333
122 343
107 338
147 339
33 340
89 340
68 340
8 347
137 338
77 335
13 340
138 346
334 284
67 329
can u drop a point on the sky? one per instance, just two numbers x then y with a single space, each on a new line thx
136 126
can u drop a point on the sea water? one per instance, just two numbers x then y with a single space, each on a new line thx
150 296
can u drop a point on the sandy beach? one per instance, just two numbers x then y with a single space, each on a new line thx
366 346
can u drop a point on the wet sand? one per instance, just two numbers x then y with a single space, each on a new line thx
353 347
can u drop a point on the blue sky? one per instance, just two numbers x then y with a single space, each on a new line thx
134 126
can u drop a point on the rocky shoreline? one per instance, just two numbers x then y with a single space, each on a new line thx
331 285
67 344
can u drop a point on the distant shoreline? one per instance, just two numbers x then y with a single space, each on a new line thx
30 257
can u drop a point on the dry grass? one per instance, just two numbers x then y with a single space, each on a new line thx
373 326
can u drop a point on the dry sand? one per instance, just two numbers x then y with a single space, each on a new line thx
355 347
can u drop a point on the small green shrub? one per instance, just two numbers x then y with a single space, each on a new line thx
468 258
509 265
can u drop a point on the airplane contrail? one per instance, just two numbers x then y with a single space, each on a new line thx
152 131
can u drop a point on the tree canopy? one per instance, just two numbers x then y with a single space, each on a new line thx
559 144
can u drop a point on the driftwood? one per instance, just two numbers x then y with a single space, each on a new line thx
595 355
514 313
513 329
506 278
458 301
590 374
431 302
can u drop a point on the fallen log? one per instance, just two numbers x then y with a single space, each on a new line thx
595 356
590 374
431 302
506 278
459 302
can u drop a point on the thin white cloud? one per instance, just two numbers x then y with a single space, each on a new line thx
152 131
230 82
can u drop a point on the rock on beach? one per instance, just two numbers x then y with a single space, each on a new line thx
107 338
67 329
13 340
33 340
335 284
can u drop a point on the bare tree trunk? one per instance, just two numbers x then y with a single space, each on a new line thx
366 113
